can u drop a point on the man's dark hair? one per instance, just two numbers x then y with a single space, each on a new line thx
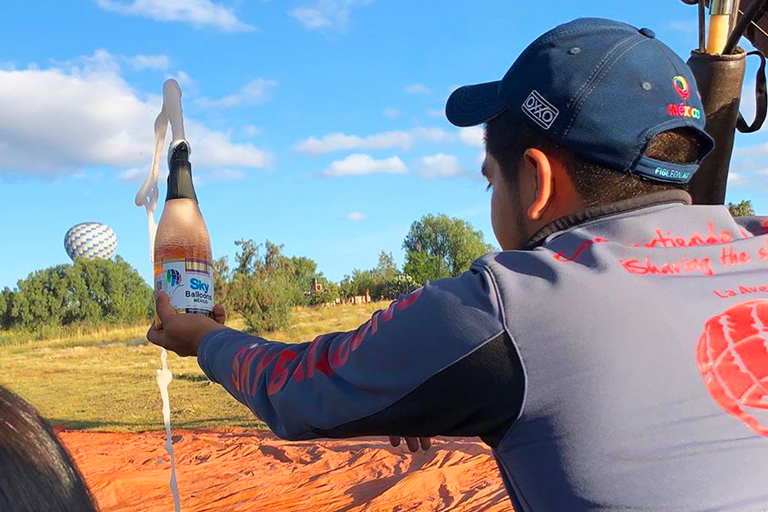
36 472
507 138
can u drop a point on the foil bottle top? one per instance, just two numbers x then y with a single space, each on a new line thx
180 172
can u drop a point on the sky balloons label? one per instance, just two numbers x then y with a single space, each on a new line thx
189 283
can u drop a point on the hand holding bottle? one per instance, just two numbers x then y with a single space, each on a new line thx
182 333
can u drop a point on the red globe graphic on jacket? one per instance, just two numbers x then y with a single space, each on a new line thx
733 359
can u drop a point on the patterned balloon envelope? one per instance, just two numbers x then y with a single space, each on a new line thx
90 240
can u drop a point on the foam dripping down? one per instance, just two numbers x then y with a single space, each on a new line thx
147 197
164 377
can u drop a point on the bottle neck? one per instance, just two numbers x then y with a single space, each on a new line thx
180 184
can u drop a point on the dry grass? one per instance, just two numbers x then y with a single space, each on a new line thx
106 380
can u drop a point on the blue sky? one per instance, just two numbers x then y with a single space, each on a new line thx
317 124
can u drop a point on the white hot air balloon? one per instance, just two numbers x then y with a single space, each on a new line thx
90 240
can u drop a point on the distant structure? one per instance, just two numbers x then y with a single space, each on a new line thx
361 299
90 240
317 288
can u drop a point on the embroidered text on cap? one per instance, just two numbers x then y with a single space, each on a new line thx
540 110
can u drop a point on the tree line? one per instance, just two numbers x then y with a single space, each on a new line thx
262 285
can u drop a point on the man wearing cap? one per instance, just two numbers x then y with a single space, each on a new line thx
614 355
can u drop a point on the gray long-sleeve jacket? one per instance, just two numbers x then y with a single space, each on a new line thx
619 363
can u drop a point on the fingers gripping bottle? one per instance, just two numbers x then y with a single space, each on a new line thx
183 258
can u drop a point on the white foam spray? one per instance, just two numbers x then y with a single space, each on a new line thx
147 197
164 377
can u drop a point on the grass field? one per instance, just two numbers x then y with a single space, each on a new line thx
106 380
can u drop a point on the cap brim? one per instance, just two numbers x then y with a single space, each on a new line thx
474 104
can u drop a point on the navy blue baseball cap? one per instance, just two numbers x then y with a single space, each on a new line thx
600 88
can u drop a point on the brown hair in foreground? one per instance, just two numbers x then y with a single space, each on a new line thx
36 472
507 139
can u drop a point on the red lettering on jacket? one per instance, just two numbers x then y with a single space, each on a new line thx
245 369
323 364
682 266
298 374
280 372
668 241
763 251
560 256
263 363
729 257
341 354
387 314
408 301
741 290
234 379
360 335
310 357
318 358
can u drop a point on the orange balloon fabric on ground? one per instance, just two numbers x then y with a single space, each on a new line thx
238 470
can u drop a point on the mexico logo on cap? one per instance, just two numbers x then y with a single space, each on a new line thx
681 86
683 109
733 360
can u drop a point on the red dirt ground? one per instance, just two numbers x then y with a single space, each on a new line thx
238 470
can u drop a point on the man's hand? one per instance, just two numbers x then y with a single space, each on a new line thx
182 334
412 442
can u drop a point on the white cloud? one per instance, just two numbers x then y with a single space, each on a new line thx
356 217
748 103
391 113
60 121
473 136
436 113
199 13
132 175
360 164
736 179
255 92
139 62
760 150
441 166
183 78
326 14
214 150
251 131
386 140
417 89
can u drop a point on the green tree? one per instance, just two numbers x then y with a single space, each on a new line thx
386 269
221 279
402 284
742 209
439 246
246 257
266 285
6 304
86 291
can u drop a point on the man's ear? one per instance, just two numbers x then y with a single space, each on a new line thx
541 166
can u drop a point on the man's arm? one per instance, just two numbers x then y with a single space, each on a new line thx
437 362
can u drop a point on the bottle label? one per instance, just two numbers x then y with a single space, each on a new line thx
189 283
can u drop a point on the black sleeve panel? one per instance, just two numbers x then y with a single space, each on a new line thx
479 395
